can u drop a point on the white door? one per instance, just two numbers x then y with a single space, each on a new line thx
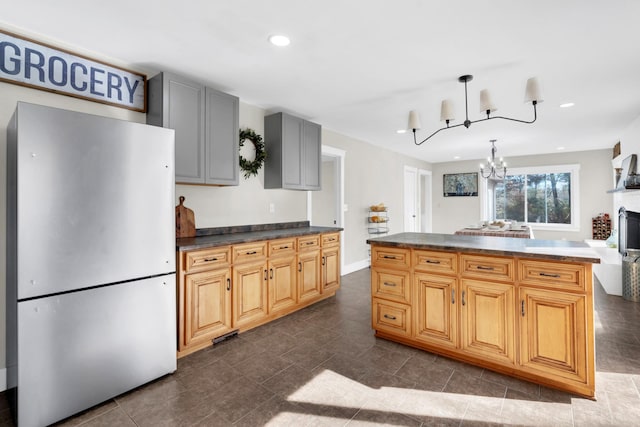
411 199
424 197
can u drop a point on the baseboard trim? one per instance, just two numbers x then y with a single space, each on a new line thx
350 268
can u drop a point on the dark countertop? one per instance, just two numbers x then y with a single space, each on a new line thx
559 250
220 236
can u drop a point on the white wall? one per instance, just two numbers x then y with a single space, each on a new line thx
452 213
372 175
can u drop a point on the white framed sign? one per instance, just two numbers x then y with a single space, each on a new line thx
30 63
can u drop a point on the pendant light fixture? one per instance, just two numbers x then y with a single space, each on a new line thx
493 170
532 94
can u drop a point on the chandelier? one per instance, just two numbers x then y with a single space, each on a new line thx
493 169
532 94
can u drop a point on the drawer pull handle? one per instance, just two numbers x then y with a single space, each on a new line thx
284 247
388 257
389 284
463 301
310 243
482 267
210 259
453 296
388 316
431 261
251 253
522 307
228 284
555 276
331 240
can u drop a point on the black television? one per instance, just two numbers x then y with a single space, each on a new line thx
629 230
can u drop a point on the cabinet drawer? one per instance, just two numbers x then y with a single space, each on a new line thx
391 317
488 267
391 257
282 247
391 284
249 252
552 274
206 259
436 262
309 242
332 239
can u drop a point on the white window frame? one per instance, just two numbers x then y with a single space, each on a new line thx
573 169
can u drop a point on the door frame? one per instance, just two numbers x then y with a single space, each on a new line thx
421 194
339 155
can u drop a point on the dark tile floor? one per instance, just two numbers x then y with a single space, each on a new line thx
323 366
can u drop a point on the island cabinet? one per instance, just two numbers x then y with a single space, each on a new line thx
238 287
522 316
206 128
295 153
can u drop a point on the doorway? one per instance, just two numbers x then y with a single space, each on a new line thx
417 200
325 208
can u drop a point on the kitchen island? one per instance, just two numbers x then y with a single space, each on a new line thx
232 279
521 307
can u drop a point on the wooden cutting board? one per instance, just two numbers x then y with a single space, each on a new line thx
185 222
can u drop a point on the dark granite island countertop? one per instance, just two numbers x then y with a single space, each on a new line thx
221 236
560 250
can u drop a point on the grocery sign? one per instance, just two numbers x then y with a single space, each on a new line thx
37 65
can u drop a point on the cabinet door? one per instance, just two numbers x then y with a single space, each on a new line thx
249 294
282 283
309 285
207 306
221 135
311 156
330 269
292 135
183 109
488 320
553 331
436 309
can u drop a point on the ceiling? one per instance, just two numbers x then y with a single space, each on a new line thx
358 66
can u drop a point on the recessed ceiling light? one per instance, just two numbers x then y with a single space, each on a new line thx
560 148
279 40
567 105
456 157
401 131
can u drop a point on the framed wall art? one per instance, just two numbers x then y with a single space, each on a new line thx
460 184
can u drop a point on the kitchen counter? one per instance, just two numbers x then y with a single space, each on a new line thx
560 250
221 236
521 307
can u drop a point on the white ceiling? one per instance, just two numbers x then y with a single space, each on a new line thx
358 66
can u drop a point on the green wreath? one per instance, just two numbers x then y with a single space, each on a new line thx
252 168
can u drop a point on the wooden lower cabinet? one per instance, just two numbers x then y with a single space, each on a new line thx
249 293
487 320
282 284
309 285
529 318
330 269
238 287
436 313
554 325
208 302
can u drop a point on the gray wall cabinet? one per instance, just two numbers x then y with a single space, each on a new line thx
294 153
206 123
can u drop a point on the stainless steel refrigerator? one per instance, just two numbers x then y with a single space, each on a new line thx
90 260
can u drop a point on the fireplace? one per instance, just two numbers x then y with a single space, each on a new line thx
629 230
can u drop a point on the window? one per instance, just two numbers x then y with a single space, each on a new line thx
545 197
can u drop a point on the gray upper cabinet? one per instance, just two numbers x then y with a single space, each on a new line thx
294 149
206 124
